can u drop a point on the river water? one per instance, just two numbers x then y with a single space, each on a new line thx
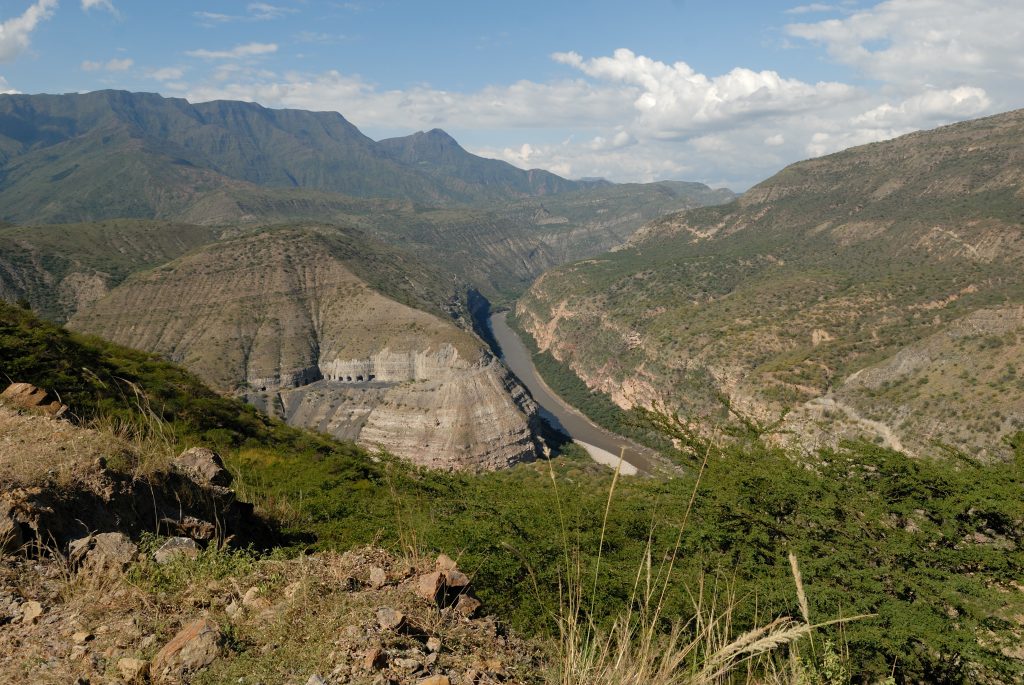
604 446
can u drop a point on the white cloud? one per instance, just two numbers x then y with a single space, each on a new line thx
237 52
102 4
932 105
627 116
15 32
936 43
814 7
166 74
673 100
5 87
112 65
256 11
262 11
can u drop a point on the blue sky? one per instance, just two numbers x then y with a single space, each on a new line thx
722 92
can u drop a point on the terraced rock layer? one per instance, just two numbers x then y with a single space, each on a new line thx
282 318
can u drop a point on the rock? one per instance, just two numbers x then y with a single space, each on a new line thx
445 563
456 580
11 535
28 396
204 466
436 680
195 528
192 649
31 611
82 636
174 548
315 679
134 671
434 644
406 664
252 600
390 619
378 577
429 585
103 555
467 606
374 659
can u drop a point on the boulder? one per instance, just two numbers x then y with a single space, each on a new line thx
203 466
378 577
374 659
174 548
467 606
133 671
436 680
445 563
31 611
28 396
456 580
104 555
429 585
192 649
390 619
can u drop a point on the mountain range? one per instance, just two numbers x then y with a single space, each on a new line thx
873 293
289 259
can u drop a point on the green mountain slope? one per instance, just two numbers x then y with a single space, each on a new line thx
438 154
59 268
118 154
873 292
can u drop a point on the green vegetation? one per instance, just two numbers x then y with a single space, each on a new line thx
831 268
932 547
597 406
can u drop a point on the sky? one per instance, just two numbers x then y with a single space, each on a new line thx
725 92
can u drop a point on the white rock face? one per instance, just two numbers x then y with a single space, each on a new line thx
433 408
394 367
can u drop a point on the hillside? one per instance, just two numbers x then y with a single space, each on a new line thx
500 250
933 550
115 154
60 268
875 292
333 331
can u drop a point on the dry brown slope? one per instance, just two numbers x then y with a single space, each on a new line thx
269 314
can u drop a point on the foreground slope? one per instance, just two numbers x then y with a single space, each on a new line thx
304 324
874 292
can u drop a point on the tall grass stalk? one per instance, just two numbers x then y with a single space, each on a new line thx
637 649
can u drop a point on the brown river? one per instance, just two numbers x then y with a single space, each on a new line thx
604 446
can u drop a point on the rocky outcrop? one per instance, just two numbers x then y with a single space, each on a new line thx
28 396
94 504
281 319
192 649
435 409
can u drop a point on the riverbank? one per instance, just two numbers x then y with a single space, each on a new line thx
602 445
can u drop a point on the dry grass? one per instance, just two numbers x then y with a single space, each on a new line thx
34 448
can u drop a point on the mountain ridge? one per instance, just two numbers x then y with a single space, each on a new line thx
832 267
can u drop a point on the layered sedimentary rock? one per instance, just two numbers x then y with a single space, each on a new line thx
446 412
282 319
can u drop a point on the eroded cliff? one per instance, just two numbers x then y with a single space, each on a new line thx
282 318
